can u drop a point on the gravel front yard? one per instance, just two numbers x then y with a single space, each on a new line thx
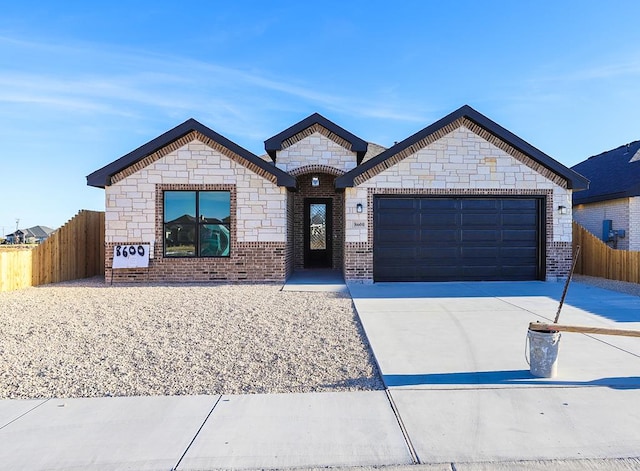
89 339
613 285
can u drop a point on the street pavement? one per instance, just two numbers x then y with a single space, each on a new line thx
459 397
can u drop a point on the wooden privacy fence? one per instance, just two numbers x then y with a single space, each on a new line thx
74 251
15 267
598 259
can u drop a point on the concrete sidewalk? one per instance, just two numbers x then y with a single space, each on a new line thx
460 397
201 432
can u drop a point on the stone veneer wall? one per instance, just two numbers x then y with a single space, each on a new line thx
134 214
315 149
460 163
591 215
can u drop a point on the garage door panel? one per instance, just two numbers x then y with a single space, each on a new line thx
480 219
474 204
439 237
394 218
520 235
442 204
438 219
436 254
520 204
471 236
513 253
401 253
391 238
480 252
523 219
457 238
435 272
396 203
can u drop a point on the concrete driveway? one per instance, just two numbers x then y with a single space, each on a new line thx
453 357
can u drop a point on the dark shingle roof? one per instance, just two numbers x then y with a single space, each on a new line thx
274 144
613 174
40 231
102 177
573 179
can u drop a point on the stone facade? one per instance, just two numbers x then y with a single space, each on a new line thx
315 149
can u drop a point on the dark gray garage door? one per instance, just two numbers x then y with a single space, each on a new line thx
456 239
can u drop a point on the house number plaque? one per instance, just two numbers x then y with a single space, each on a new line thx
131 256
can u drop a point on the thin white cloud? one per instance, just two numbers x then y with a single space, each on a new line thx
161 82
614 69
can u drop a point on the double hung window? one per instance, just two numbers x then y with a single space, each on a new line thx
197 223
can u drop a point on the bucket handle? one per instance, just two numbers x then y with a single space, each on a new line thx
526 348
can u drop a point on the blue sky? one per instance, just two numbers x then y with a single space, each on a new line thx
83 83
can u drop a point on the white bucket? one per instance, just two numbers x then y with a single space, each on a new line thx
543 353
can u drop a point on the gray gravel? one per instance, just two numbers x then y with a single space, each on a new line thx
89 339
613 285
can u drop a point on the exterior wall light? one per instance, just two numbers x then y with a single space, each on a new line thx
315 181
563 210
359 207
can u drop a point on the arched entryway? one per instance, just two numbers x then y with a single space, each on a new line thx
318 222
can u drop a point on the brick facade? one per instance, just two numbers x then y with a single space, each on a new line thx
248 261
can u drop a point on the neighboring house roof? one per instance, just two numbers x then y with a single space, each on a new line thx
39 232
402 149
274 144
102 177
613 174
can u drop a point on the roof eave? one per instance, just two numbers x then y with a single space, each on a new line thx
604 197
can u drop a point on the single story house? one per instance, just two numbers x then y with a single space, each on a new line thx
462 199
32 235
610 208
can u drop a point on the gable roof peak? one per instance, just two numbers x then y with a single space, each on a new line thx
102 177
275 143
376 164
